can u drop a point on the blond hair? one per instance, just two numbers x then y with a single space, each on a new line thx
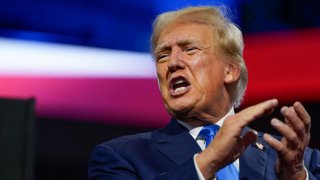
227 36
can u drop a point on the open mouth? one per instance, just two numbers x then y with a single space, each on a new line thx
179 86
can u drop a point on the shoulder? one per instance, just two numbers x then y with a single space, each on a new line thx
131 141
119 158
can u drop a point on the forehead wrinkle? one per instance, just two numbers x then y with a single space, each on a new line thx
184 42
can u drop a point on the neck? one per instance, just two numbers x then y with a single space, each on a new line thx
203 118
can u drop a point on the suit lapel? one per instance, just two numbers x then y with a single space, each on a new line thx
253 160
176 143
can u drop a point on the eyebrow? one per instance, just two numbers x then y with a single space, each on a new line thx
183 42
160 48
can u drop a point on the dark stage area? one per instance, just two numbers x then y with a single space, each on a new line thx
63 147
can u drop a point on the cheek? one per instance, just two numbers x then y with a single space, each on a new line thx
161 74
204 80
201 70
209 77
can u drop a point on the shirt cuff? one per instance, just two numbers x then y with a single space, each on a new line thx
198 170
307 176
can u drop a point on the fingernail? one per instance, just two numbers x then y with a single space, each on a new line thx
255 132
284 109
274 101
275 122
296 104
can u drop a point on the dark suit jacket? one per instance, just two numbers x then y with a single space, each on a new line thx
168 154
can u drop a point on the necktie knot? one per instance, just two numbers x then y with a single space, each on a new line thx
229 172
208 132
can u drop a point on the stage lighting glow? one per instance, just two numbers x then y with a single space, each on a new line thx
20 57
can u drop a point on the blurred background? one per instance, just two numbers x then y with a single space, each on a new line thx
84 67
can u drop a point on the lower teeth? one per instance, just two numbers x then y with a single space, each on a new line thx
180 89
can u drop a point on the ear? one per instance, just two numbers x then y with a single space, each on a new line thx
232 73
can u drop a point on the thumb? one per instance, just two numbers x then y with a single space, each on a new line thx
248 138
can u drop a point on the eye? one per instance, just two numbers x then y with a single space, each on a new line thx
162 57
191 50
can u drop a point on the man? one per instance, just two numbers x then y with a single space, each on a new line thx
202 77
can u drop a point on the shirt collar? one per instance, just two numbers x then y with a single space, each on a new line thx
194 131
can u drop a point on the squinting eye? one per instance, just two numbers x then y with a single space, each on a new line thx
162 57
190 50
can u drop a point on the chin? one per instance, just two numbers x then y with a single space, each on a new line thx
183 106
180 111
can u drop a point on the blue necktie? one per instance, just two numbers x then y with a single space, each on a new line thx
229 172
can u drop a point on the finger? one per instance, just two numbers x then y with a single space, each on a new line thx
275 144
286 131
287 122
285 119
249 114
294 121
303 114
249 137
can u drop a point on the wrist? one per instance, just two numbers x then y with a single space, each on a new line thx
296 173
208 165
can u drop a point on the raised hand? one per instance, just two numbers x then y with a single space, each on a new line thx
296 135
228 145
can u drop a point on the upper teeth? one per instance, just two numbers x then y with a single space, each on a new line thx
179 81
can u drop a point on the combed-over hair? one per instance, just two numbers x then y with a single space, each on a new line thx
227 37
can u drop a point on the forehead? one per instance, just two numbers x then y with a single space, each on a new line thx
177 32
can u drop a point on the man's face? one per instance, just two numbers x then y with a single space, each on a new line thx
191 75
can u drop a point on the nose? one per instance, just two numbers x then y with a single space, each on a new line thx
176 61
